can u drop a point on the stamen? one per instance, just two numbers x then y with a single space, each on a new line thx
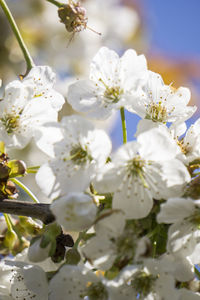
135 168
143 283
156 112
78 155
112 93
10 122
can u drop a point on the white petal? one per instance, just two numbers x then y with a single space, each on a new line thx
175 209
85 96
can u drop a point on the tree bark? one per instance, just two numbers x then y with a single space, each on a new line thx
39 211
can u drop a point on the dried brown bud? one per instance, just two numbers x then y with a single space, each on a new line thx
73 15
4 172
62 241
10 190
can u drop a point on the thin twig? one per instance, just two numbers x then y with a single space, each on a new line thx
39 211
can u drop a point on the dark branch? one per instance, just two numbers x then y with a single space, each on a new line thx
39 211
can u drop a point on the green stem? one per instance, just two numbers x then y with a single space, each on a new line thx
123 125
28 58
58 4
32 169
78 241
154 249
26 190
8 222
80 237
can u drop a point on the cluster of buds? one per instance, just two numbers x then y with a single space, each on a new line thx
73 15
9 169
14 240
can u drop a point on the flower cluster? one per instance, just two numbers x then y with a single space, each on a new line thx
134 213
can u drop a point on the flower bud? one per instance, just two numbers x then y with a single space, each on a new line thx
10 239
36 253
29 225
75 212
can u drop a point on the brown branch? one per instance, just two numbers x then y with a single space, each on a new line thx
39 211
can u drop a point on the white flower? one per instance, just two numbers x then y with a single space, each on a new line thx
78 156
75 283
143 170
181 267
75 212
42 80
28 282
102 250
190 143
5 279
184 234
112 82
22 118
149 280
162 103
114 241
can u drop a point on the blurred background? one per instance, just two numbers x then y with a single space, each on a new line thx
167 32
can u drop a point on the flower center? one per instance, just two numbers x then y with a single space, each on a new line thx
112 93
10 122
156 112
79 156
143 283
136 169
184 148
126 244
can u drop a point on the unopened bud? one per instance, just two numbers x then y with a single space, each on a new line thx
10 239
36 253
29 225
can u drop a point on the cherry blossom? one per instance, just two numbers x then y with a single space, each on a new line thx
143 170
81 152
111 84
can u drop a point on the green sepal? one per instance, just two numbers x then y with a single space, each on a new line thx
50 234
72 257
53 248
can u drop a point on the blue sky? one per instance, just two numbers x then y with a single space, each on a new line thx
174 26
